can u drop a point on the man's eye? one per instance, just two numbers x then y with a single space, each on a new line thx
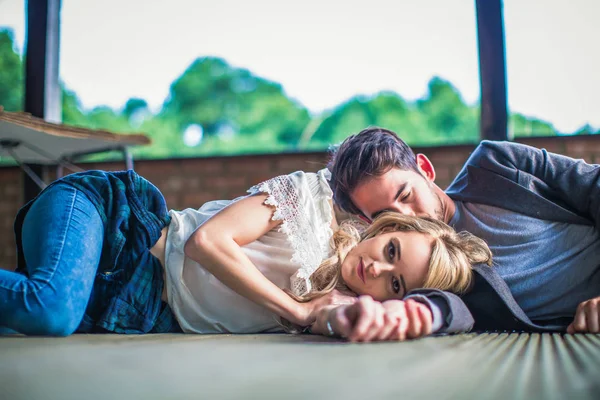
391 250
395 285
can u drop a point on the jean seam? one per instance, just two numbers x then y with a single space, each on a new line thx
64 233
37 288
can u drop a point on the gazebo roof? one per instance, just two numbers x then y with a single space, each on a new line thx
34 140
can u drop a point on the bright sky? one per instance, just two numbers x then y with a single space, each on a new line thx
324 52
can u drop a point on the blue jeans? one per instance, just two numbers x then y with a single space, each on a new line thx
62 244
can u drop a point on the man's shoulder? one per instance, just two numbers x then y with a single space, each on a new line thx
501 147
499 155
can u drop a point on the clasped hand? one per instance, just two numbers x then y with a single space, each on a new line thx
368 320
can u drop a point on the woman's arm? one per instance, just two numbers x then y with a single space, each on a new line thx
216 245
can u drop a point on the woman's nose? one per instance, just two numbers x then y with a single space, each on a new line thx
377 268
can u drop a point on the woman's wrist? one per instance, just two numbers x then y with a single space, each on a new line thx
323 319
302 314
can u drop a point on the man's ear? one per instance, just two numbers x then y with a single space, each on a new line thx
426 167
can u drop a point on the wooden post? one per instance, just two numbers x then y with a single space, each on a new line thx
492 70
42 91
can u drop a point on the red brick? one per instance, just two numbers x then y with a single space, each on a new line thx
246 164
204 166
295 163
149 169
172 201
224 182
443 176
196 200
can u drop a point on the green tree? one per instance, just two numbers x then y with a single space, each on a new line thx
228 101
521 126
72 113
11 73
440 116
446 115
133 106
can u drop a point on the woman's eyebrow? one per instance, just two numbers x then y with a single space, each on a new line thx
403 284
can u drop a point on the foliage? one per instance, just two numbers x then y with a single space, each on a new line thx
234 111
11 73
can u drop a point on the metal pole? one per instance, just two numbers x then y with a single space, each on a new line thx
42 91
492 70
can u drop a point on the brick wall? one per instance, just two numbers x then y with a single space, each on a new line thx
192 182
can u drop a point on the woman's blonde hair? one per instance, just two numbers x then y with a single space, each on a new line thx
453 254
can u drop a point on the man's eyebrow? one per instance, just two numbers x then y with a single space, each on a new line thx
398 193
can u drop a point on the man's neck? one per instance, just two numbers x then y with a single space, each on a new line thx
449 208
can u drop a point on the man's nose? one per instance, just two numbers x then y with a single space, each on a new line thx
404 209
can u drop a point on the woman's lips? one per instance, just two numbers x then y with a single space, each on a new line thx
360 271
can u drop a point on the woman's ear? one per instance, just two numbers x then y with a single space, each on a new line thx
426 167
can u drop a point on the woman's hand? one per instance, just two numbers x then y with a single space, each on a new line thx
312 309
587 317
409 318
368 320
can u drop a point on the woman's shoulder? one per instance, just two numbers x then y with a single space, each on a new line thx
302 200
301 194
298 183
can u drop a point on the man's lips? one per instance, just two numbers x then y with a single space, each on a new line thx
360 271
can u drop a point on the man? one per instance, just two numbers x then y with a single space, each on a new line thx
539 212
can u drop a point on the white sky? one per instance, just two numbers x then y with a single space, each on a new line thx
324 52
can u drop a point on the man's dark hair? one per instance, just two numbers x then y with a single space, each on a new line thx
370 153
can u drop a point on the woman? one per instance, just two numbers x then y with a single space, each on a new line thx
92 247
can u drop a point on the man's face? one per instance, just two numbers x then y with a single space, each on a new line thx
406 192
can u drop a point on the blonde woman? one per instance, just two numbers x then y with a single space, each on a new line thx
99 252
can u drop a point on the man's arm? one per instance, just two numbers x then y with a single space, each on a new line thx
570 182
450 314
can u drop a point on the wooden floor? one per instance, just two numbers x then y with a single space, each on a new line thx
494 366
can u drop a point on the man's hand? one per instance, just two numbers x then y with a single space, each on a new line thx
368 320
587 317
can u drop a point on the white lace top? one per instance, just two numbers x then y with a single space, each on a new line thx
286 255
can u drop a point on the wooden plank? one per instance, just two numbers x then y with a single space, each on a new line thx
276 366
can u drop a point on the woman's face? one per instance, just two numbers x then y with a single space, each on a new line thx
389 265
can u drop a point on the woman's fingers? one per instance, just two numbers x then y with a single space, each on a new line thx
339 321
363 312
377 323
388 329
396 314
370 320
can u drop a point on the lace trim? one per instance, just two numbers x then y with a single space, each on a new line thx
309 237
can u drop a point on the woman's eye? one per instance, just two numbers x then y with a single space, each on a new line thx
395 285
391 251
405 196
